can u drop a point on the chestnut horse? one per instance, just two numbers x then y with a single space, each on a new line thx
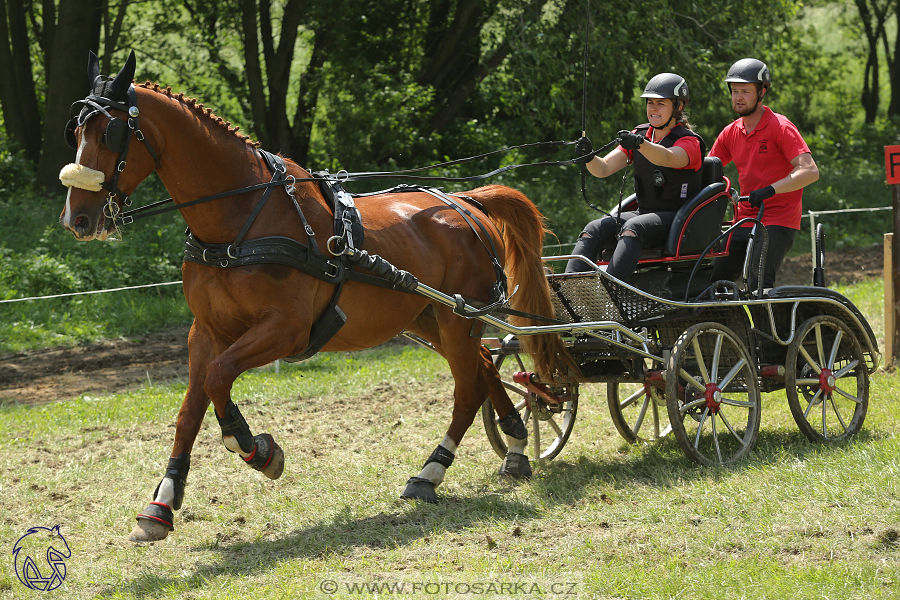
247 316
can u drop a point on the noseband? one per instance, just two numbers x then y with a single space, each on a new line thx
116 138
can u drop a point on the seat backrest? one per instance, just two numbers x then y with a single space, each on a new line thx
699 220
712 171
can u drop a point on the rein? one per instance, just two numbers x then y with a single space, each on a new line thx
130 216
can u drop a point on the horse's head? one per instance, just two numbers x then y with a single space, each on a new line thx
104 173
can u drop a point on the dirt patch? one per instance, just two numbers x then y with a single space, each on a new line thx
113 366
121 365
850 266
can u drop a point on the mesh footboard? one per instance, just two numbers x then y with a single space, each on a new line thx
591 296
582 297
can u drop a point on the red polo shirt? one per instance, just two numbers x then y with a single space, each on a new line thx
762 158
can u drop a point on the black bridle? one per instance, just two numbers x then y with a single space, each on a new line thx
116 138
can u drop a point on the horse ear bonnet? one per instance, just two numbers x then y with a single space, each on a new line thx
115 90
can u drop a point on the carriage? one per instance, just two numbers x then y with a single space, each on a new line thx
692 363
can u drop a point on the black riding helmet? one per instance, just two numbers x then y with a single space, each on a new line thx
749 70
668 85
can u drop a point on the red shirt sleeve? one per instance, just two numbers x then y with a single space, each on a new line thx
691 145
790 142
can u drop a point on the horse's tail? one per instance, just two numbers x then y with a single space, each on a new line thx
523 231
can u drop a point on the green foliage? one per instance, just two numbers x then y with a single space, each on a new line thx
39 258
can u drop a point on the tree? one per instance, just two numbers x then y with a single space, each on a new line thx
36 108
77 31
873 16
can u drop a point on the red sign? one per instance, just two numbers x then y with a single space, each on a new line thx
892 163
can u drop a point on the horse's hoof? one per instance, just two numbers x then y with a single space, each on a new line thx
419 489
148 531
515 466
267 457
154 523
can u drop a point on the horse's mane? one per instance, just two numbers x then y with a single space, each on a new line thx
200 109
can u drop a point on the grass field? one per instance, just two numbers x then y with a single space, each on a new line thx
603 520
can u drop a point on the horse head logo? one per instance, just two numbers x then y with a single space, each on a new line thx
39 541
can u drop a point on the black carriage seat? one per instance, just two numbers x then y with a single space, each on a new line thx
698 221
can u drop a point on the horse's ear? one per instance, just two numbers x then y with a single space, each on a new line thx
93 68
120 84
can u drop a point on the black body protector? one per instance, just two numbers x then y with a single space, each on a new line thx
664 188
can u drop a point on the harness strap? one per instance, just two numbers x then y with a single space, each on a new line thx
499 290
276 165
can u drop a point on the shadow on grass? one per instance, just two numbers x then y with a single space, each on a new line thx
396 529
663 465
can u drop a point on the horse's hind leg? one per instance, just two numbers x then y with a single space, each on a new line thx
516 463
471 388
157 520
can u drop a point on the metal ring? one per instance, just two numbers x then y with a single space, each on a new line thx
335 239
223 263
342 173
228 252
204 255
121 166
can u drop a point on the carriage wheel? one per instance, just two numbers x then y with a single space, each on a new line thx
638 411
712 394
826 380
548 427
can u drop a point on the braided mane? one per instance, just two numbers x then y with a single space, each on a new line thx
200 109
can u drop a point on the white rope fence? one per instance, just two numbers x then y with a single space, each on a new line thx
132 287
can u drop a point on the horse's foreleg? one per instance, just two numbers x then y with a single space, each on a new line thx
263 343
157 520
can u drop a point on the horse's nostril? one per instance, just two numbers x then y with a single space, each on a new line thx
82 223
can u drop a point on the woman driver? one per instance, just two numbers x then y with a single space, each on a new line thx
667 158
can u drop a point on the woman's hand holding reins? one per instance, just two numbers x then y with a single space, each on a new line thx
630 140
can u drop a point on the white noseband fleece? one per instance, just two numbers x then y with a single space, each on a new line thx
79 176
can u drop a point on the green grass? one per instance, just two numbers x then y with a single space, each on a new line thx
795 520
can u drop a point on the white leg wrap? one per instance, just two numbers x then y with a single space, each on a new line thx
232 444
166 493
434 472
516 446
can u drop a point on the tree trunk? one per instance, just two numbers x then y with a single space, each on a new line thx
18 98
308 98
77 32
894 70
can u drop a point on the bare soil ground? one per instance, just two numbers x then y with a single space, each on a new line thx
120 365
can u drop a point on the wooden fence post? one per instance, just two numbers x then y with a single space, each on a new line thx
892 168
889 301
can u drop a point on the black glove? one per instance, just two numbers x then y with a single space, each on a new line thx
630 141
583 149
756 197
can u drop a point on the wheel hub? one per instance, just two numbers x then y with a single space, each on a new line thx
827 381
713 397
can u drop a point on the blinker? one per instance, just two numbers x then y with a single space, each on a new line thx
115 136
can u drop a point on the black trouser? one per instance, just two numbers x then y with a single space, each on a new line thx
729 267
650 230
